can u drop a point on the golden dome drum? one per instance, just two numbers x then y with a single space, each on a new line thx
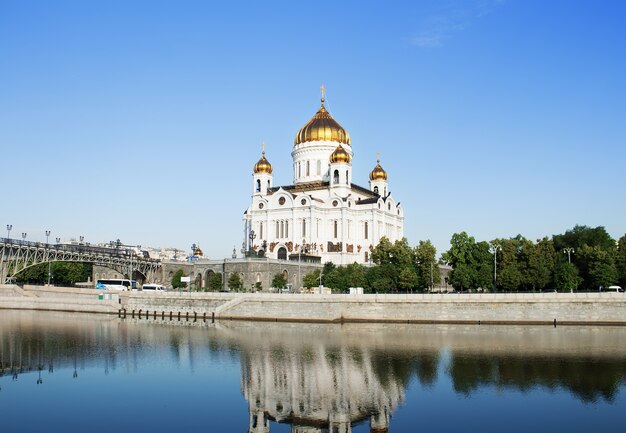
378 173
322 127
263 165
340 155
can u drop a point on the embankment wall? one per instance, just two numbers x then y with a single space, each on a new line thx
535 308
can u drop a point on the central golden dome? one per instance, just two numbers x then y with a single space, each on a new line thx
322 127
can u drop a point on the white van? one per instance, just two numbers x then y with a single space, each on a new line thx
617 289
153 288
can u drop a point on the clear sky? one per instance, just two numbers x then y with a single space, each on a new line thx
141 120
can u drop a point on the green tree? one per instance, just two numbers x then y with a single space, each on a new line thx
426 265
337 279
176 283
279 281
312 279
215 282
566 277
537 263
586 242
380 279
234 282
355 275
398 260
472 263
509 276
620 261
602 271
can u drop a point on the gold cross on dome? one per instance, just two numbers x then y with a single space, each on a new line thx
378 157
323 89
263 148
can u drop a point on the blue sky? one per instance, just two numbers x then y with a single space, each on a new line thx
141 120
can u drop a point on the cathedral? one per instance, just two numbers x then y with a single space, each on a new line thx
324 216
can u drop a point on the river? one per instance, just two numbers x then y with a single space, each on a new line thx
94 373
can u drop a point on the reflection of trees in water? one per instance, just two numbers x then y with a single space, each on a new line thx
587 378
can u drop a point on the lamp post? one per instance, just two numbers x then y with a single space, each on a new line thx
494 250
9 227
47 249
252 236
568 251
299 260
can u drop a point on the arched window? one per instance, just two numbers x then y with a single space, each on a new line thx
286 229
336 176
277 228
335 229
299 172
347 178
261 230
258 185
308 168
303 227
268 185
282 253
366 234
376 189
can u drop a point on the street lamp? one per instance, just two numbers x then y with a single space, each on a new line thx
252 237
47 245
9 227
494 250
299 254
568 251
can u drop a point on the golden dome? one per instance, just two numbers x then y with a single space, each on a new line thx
378 173
340 155
263 165
197 252
322 127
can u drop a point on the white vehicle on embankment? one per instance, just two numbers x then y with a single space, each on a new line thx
121 284
150 287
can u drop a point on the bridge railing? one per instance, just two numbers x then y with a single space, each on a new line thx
123 253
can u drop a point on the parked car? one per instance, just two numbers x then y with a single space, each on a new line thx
617 289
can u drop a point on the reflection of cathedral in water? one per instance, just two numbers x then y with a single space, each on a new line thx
323 389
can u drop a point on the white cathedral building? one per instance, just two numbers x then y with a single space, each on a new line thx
323 216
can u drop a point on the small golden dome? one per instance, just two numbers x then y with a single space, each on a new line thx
322 127
378 173
263 165
197 252
340 155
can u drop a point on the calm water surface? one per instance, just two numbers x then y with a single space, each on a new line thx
82 373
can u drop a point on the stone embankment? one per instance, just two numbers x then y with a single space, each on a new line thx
529 308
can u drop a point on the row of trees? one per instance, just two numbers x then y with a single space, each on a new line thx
399 268
582 258
61 273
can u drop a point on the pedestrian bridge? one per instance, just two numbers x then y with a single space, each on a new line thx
17 255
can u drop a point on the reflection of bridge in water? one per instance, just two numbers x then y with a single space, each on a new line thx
17 255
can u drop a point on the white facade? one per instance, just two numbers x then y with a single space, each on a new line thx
323 213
